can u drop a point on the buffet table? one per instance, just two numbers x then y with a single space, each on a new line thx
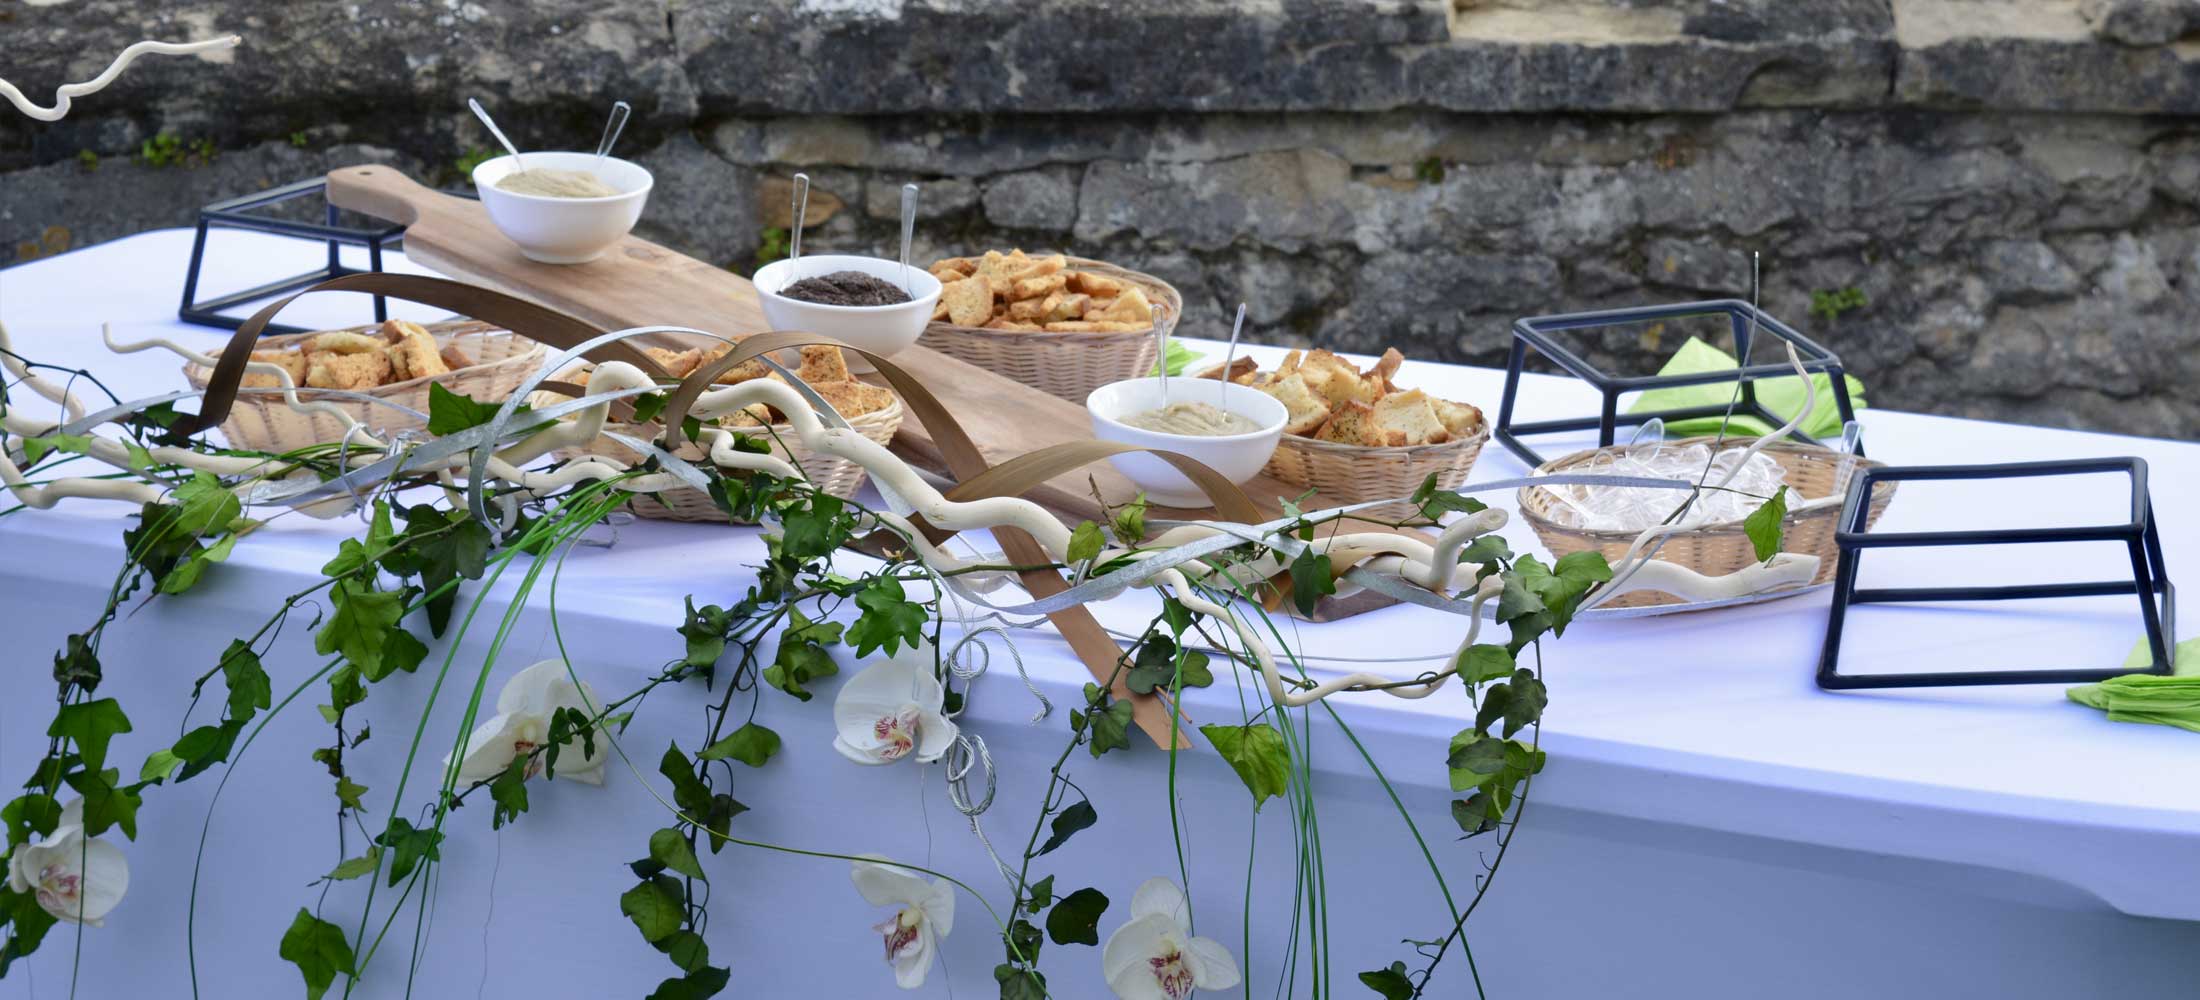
1710 823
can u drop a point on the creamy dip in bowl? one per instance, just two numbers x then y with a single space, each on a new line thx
1211 413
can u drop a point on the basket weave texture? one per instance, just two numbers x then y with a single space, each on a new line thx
1343 474
837 476
1067 365
264 421
1721 548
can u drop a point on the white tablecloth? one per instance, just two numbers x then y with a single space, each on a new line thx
1710 823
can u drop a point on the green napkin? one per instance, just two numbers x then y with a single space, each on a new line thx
1783 396
2172 700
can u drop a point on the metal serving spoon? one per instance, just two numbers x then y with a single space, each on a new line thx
794 238
483 114
620 111
908 232
1222 392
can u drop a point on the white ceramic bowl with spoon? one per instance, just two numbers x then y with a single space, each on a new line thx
881 330
1238 457
564 230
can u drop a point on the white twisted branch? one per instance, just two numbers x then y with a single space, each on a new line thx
63 94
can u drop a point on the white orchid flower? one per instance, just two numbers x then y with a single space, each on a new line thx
1155 956
914 932
891 710
522 723
74 878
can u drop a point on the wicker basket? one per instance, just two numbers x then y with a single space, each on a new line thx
1343 474
1714 549
1068 365
837 476
264 421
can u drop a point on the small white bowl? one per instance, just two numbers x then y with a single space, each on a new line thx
881 330
1238 457
564 230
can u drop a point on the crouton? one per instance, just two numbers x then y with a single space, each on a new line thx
1036 287
969 301
854 399
1307 411
1028 311
416 354
1240 368
334 370
823 363
344 342
1410 413
454 357
292 362
1129 307
1097 286
1353 422
1387 366
1040 267
1060 305
675 363
1461 420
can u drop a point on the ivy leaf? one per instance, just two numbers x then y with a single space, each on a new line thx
1518 600
1155 668
688 791
359 867
75 664
723 808
186 575
1020 984
889 618
408 846
1764 525
1474 759
1484 662
353 554
159 765
249 687
1434 501
751 744
1391 983
1041 894
1258 754
699 984
31 812
361 626
1024 942
35 448
450 412
441 547
566 724
705 631
670 849
1076 919
1175 615
654 906
1085 543
107 803
510 792
90 725
349 793
1111 727
1487 550
319 950
687 950
205 506
814 530
1310 579
1066 824
1472 815
1528 698
797 663
1129 523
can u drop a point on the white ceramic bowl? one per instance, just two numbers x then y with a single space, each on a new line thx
881 330
564 230
1237 456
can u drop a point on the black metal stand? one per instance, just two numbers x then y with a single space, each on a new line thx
1536 332
237 213
2149 582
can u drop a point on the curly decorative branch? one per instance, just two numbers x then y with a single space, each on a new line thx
66 92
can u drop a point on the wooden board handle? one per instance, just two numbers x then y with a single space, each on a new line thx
382 192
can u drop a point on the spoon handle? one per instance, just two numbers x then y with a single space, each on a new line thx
1222 393
483 114
794 237
908 229
620 111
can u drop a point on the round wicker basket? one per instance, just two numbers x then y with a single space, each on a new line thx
1343 474
264 421
837 476
1716 549
1068 365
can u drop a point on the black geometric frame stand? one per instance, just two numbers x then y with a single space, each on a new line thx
1536 332
238 213
2149 582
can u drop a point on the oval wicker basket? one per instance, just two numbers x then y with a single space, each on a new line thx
1721 548
1067 365
1343 474
264 421
837 476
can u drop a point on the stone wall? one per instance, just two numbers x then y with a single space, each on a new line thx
2012 188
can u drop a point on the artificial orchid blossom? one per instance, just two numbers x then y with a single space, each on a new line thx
522 724
1155 956
891 710
74 878
925 915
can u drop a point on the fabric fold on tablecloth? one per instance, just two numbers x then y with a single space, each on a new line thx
1783 395
2172 700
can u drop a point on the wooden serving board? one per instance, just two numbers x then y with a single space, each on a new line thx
638 283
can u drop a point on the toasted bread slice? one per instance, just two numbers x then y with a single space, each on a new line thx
1353 422
1410 413
1059 306
823 363
1039 267
293 362
416 356
454 357
675 363
1027 311
969 301
1307 410
854 399
1338 381
1036 287
1240 370
342 342
1463 420
334 370
1291 362
1129 307
1387 366
1096 285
